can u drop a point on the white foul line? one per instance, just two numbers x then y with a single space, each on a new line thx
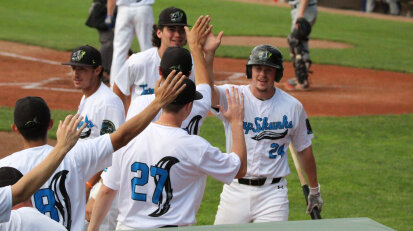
29 58
38 85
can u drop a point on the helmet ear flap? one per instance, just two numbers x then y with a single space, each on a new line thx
248 71
278 75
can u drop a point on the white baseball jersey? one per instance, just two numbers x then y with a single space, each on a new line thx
103 112
5 203
193 122
28 218
133 18
141 71
168 176
269 127
63 196
134 2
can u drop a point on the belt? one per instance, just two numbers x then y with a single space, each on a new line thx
257 182
296 5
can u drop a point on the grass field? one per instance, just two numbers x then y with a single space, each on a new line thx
364 166
378 44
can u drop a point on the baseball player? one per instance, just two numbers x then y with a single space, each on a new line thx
24 216
303 15
168 179
141 70
102 109
272 120
177 57
18 192
133 17
63 197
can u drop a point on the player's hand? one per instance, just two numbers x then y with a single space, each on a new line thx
89 208
212 43
235 112
314 200
67 132
170 88
197 35
110 21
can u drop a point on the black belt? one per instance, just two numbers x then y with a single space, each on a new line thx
257 182
296 5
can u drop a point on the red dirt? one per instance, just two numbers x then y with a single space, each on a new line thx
335 91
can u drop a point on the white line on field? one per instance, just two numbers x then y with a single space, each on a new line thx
39 85
29 58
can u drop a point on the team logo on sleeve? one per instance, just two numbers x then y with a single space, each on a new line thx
309 130
107 127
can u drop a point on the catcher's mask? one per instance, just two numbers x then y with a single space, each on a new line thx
268 56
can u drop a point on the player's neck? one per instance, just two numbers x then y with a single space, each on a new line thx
262 95
161 50
170 120
26 203
34 143
91 90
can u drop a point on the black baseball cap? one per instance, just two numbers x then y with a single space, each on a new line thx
85 56
176 58
189 93
31 112
172 16
9 176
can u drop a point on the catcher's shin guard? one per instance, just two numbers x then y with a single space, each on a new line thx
299 59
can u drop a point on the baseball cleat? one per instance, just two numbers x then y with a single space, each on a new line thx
293 84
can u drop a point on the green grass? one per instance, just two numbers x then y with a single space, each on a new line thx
378 44
364 168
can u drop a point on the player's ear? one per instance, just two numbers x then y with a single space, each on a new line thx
98 69
15 129
50 124
159 33
188 107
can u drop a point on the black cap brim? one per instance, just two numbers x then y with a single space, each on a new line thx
78 64
175 24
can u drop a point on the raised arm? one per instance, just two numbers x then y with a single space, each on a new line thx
211 45
164 94
125 98
235 116
67 136
196 38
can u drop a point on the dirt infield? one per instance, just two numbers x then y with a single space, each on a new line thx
335 91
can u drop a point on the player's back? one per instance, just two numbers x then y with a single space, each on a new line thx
193 121
163 164
62 197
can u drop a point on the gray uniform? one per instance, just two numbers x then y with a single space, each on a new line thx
299 50
310 14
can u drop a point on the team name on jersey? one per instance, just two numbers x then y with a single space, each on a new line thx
262 124
146 91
